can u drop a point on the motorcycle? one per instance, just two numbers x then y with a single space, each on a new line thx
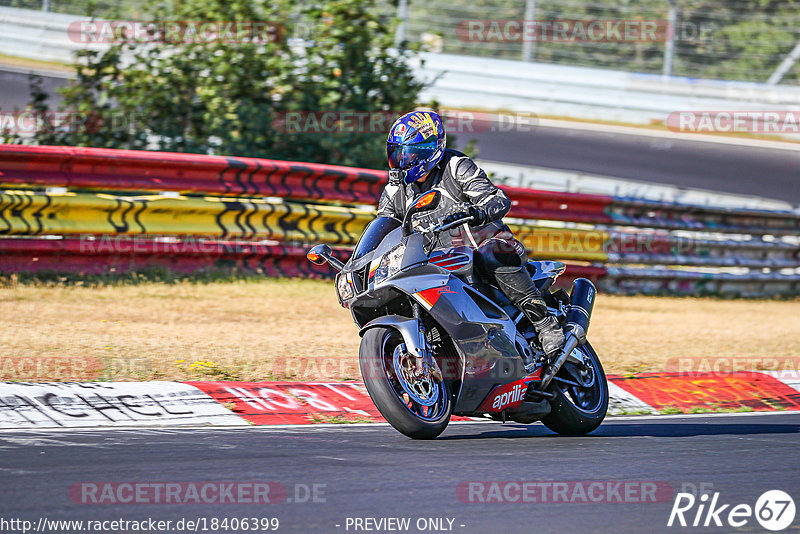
440 339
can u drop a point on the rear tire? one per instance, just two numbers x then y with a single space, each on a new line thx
375 359
569 419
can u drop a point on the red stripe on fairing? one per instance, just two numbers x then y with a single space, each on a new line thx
442 262
451 262
451 266
431 296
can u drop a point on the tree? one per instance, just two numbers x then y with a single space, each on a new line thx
231 96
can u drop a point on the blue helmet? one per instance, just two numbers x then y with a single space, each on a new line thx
416 144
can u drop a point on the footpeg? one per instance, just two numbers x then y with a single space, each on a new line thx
534 393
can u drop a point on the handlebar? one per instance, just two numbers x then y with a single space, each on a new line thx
448 226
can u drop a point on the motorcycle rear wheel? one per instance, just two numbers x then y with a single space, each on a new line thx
376 359
577 411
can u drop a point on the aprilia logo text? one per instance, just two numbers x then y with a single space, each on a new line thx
501 401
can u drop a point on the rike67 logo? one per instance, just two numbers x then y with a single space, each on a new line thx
774 510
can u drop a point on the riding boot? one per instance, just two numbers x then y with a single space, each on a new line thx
518 286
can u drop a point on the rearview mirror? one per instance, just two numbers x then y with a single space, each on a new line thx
425 202
321 254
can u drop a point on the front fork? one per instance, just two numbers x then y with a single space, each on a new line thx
427 363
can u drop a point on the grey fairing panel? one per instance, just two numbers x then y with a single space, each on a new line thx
487 347
487 344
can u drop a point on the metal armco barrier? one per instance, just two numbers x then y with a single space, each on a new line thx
653 214
95 210
661 248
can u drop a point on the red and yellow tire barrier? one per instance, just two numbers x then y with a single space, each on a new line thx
33 213
134 170
292 202
29 213
130 170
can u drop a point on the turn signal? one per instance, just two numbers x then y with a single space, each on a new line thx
424 200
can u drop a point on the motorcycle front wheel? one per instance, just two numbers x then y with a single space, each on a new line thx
418 406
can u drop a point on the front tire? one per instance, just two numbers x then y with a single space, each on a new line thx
576 411
376 359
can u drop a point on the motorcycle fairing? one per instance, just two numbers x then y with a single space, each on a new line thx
508 396
484 335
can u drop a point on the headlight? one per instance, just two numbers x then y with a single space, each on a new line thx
344 287
390 264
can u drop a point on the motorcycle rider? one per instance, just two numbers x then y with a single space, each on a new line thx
419 161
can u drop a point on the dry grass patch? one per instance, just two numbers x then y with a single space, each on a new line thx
292 329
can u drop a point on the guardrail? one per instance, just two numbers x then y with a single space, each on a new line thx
588 93
93 210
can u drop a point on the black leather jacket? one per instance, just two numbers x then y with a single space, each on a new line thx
461 183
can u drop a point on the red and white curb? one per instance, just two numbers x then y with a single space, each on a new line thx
126 404
103 404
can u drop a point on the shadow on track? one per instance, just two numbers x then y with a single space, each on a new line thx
666 429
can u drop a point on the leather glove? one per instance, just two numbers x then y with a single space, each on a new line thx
396 176
475 213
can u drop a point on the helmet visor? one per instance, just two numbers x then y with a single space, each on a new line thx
405 156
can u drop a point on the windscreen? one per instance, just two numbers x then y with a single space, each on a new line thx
373 234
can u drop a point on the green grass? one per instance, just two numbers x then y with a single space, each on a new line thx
634 412
339 419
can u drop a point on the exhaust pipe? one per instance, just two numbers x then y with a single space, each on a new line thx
581 303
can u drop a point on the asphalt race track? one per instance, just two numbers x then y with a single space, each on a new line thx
15 89
743 170
372 471
765 172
